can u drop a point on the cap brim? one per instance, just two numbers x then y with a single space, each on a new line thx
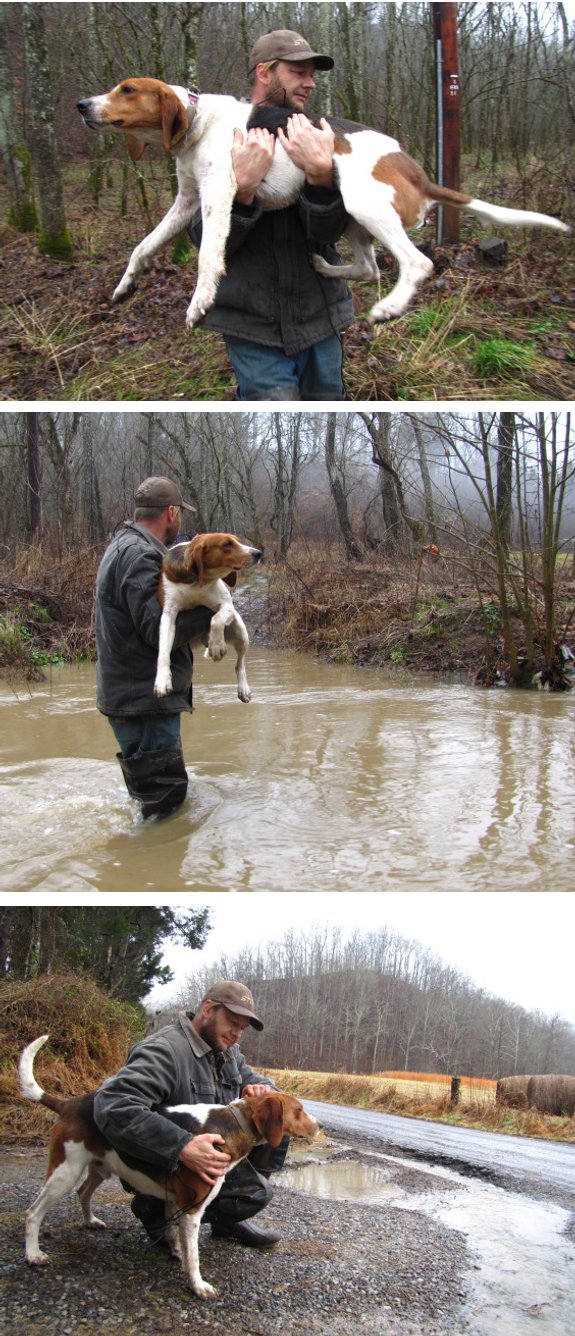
320 62
240 1011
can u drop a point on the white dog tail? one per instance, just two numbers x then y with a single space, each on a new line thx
29 1087
513 217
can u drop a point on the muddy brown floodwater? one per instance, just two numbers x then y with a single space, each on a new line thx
334 778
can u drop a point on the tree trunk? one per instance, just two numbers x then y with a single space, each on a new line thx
426 480
54 238
337 485
504 501
22 210
34 478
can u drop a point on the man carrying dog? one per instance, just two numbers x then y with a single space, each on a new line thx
281 319
147 727
197 1060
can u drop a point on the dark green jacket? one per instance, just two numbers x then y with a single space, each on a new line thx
271 293
166 1068
127 628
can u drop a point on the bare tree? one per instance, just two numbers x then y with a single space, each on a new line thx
54 238
335 464
399 525
286 464
34 477
22 212
504 497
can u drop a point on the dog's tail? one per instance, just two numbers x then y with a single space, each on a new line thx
29 1087
495 213
514 217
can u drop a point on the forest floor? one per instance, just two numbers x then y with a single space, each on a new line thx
397 618
480 330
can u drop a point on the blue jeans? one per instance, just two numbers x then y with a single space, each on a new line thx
269 373
145 732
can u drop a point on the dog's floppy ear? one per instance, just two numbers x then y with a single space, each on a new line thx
196 558
231 580
268 1117
136 147
174 123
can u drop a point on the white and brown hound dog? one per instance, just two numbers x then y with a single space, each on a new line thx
384 190
202 572
81 1157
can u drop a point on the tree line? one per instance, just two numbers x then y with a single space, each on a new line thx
491 495
119 948
362 1002
377 1001
516 83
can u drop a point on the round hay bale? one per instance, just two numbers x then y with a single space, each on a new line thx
511 1092
552 1094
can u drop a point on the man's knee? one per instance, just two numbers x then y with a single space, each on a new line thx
243 1193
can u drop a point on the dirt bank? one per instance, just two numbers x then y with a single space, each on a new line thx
362 615
339 1266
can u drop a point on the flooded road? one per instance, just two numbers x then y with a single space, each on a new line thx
523 1265
332 779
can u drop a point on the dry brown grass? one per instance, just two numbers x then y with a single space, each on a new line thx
424 1095
46 607
469 1083
90 1035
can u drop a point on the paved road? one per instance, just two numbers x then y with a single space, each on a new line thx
546 1162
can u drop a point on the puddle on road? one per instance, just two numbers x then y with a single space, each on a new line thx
526 1267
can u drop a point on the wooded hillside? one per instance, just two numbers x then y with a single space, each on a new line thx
377 1001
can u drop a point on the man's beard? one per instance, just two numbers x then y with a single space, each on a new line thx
277 96
207 1033
172 532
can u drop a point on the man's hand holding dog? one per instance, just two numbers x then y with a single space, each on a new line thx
202 1155
251 160
310 148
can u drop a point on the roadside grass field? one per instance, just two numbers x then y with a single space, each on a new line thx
424 1095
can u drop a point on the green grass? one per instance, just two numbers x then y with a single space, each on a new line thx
503 358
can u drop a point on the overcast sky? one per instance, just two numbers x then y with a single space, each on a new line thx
519 946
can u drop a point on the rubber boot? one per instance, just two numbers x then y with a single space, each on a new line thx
158 779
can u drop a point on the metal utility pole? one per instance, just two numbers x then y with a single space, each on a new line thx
447 117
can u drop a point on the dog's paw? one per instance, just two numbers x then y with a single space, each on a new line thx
126 288
195 312
217 648
388 309
244 692
203 1290
95 1223
38 1259
323 266
163 684
201 302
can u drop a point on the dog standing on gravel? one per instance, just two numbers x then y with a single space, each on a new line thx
81 1157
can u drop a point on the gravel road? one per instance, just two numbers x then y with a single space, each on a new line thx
339 1266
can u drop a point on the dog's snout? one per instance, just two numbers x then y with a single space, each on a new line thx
83 105
257 554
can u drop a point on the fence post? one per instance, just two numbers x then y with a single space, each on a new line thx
455 1089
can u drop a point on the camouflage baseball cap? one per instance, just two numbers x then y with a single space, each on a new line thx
160 492
283 44
236 997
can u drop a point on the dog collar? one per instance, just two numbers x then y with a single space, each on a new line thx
193 97
240 1117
